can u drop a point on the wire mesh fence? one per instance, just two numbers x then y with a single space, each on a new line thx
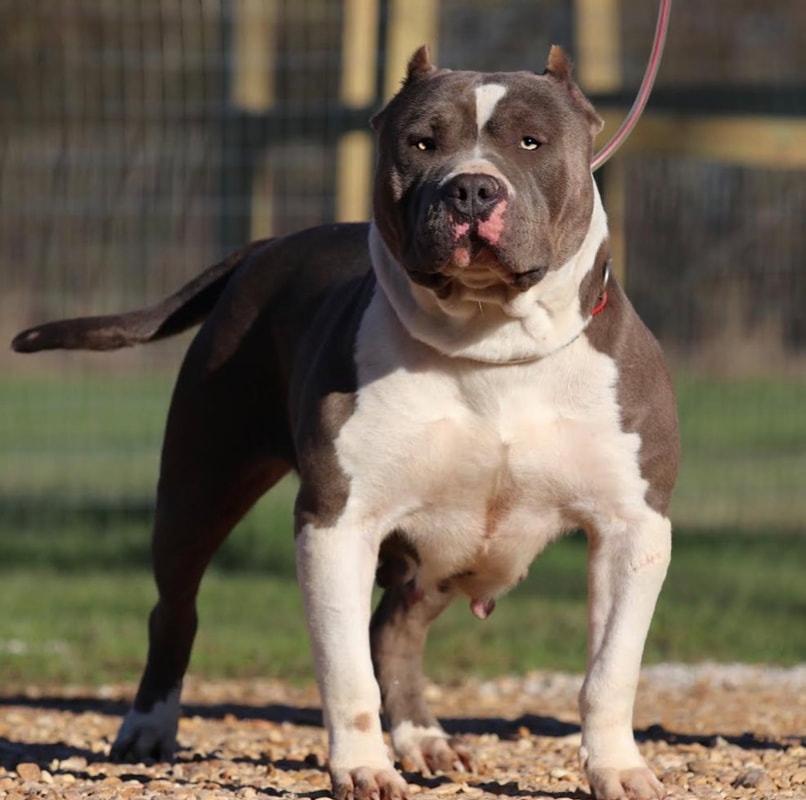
140 141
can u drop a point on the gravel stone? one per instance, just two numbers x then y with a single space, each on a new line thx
710 731
29 772
755 779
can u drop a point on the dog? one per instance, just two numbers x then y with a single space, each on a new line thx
456 383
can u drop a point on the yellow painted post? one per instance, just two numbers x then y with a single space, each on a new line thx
253 54
254 28
359 53
597 35
354 177
262 206
411 23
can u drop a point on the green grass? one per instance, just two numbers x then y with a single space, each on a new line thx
93 437
744 454
726 599
77 474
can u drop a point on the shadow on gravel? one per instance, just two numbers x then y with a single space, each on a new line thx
12 753
513 789
747 740
296 715
510 789
75 705
509 728
277 712
312 717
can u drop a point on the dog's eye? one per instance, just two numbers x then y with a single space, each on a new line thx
529 143
426 143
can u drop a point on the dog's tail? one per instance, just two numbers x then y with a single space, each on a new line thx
187 307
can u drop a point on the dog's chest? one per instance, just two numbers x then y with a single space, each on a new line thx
481 465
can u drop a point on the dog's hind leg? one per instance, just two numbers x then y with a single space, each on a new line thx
222 451
397 636
187 531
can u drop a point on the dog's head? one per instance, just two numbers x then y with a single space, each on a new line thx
484 179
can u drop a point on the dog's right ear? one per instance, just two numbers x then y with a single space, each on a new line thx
420 65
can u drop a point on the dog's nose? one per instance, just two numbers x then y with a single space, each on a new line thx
473 194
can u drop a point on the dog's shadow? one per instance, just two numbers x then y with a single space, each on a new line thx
15 752
296 715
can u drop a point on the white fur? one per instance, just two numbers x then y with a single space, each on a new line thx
498 325
626 569
142 731
488 95
422 744
449 435
407 736
336 569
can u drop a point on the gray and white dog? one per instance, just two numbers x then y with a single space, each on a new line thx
457 384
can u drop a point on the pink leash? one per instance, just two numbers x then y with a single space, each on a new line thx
650 74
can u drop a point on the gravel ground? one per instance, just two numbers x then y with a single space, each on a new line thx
709 731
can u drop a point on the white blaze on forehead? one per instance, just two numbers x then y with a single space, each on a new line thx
487 97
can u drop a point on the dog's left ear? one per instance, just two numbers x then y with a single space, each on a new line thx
558 64
559 68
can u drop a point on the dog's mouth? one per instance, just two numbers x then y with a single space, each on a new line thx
477 278
475 263
478 265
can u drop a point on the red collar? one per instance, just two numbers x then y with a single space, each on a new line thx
603 296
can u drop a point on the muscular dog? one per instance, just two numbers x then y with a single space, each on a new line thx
457 384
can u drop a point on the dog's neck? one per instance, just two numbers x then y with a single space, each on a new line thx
494 326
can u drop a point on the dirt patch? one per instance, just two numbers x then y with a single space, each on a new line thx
708 731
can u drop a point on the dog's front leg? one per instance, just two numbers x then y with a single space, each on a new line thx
626 568
336 569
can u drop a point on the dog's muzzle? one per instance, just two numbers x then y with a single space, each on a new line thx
472 196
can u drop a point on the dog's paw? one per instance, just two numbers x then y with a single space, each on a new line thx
429 750
367 783
636 783
148 735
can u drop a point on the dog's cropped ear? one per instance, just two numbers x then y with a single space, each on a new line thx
420 65
558 64
559 68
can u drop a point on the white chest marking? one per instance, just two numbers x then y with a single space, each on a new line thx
487 98
482 465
